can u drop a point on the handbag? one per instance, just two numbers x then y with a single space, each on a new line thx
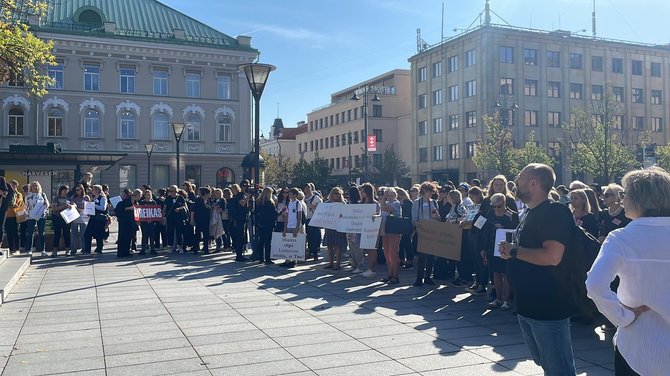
398 225
21 216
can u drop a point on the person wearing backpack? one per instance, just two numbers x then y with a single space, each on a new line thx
538 271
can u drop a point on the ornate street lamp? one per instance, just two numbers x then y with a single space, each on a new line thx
149 148
178 129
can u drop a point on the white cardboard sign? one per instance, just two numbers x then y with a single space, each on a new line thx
289 247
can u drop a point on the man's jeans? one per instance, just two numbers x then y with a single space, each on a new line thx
550 345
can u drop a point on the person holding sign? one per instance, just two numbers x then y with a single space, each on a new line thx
356 255
312 199
424 209
293 222
61 228
334 239
149 229
78 226
36 205
125 215
97 222
391 242
368 197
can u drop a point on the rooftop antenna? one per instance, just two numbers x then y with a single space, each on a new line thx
487 13
442 30
593 20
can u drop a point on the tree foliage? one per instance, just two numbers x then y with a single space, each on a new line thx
22 54
496 152
532 153
278 170
316 171
663 156
390 169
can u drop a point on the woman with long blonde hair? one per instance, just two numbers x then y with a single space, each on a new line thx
334 239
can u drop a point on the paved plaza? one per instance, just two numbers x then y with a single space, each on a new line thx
207 315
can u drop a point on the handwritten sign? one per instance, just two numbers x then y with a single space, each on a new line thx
148 213
441 239
326 215
352 216
289 247
370 232
502 234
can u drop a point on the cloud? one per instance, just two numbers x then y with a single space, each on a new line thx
292 33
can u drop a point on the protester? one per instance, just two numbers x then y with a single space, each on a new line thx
125 217
334 240
200 218
265 222
37 206
11 220
480 268
237 210
424 209
149 229
390 206
406 251
638 255
614 216
78 226
457 214
161 240
367 191
581 210
356 254
312 200
175 215
7 200
499 184
537 272
293 222
61 228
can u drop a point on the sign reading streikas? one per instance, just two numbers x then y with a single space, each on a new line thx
148 213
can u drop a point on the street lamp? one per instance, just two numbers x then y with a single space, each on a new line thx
503 107
149 148
349 160
355 97
257 76
178 129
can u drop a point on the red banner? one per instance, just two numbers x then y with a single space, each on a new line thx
372 143
148 213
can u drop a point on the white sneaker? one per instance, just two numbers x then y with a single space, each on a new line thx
44 254
358 271
369 273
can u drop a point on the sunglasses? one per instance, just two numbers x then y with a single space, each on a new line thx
622 194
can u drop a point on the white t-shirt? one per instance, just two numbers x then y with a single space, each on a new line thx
294 207
313 200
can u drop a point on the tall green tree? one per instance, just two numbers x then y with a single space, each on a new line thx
532 153
663 156
391 168
316 171
496 152
278 170
23 56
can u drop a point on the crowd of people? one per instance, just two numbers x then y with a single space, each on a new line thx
526 272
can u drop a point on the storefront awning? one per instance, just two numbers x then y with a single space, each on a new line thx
62 158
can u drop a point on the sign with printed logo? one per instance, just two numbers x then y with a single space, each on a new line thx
148 213
372 143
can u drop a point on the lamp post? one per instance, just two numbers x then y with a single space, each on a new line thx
355 97
349 160
149 148
503 107
257 76
178 129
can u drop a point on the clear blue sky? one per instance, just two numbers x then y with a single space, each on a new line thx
323 46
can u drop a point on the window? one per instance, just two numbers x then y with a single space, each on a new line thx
617 91
617 122
437 125
160 82
357 161
437 69
332 141
127 177
638 123
506 54
453 93
223 86
530 88
91 78
657 124
530 118
597 92
421 101
92 124
15 122
55 122
554 89
337 163
423 128
377 133
160 127
422 74
423 154
554 119
192 173
376 110
553 59
656 69
530 56
127 76
637 67
597 63
638 95
56 73
311 145
470 119
453 122
575 61
452 64
437 97
507 86
348 115
471 88
127 125
337 118
454 151
355 137
193 85
321 144
576 91
470 58
437 153
160 175
193 123
470 149
617 65
656 97
225 128
16 80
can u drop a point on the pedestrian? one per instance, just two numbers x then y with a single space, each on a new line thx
161 231
333 239
356 255
200 218
293 222
368 197
537 274
37 206
406 251
175 215
281 205
390 206
312 200
12 220
149 229
638 255
425 208
265 222
7 201
125 216
238 211
225 218
78 226
98 222
499 184
581 210
61 228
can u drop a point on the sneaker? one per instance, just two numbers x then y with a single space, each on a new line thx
408 267
369 273
495 304
349 268
358 271
30 253
505 306
44 253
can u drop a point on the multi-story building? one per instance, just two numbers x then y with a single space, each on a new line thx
126 71
535 79
336 132
281 140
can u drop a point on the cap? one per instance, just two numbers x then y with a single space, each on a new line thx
464 186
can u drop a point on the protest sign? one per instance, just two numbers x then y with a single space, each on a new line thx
352 216
289 247
89 208
502 235
441 239
326 215
69 214
370 232
148 213
115 200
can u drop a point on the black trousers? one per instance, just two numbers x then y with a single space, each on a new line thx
621 367
175 234
12 230
239 236
406 249
313 240
95 229
126 234
149 236
424 264
466 265
60 229
264 242
201 234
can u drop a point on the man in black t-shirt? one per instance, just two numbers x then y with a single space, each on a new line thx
538 272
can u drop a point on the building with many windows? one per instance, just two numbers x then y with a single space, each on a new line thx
126 71
336 132
534 78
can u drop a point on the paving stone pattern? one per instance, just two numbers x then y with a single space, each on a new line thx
207 315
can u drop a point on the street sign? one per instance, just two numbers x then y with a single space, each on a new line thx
372 143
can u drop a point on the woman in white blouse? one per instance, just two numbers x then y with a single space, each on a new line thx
638 254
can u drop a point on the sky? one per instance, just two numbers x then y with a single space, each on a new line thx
323 46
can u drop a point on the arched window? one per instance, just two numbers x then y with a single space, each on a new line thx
161 126
92 127
193 128
15 122
224 127
225 177
55 122
127 125
90 17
